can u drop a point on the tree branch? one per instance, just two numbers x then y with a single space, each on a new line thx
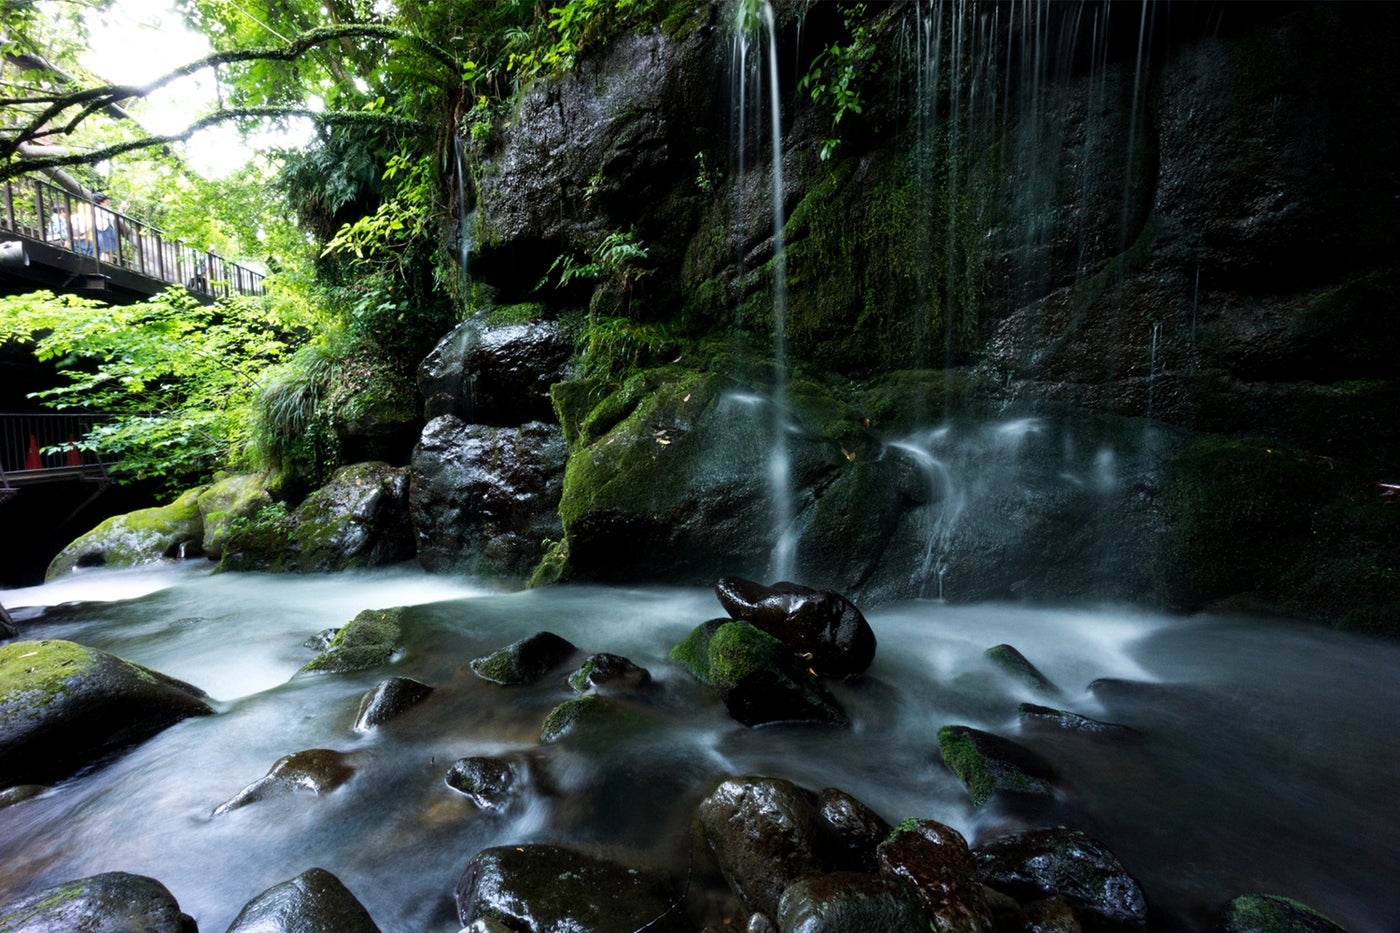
15 168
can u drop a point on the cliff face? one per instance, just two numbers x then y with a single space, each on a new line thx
1122 264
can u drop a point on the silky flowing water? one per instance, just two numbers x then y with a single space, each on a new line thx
1266 760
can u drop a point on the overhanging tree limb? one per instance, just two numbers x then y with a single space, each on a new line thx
90 100
367 118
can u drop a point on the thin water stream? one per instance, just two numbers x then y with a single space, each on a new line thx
1266 761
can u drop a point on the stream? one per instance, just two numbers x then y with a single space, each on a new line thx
1266 761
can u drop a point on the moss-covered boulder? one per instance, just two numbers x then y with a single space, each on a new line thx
1019 667
934 863
988 764
545 887
593 721
366 641
761 681
524 661
388 700
141 537
226 501
315 771
1270 913
111 902
64 706
315 901
823 627
1043 863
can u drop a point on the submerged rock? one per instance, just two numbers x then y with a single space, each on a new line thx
843 902
366 641
20 793
112 902
545 887
1031 714
1033 865
490 783
1014 663
315 901
1270 913
63 706
824 627
388 699
609 673
315 771
988 764
933 860
524 661
140 537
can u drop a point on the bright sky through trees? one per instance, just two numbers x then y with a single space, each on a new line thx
136 41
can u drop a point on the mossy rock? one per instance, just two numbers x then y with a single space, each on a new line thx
227 500
593 721
988 764
64 706
693 651
609 673
109 901
366 641
524 661
140 537
358 519
1270 913
760 679
1015 663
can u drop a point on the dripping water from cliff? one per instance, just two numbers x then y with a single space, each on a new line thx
466 217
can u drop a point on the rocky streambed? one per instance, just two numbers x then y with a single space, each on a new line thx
666 757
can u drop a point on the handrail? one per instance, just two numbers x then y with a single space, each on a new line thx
36 442
38 210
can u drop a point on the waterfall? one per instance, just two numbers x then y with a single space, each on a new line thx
466 219
759 17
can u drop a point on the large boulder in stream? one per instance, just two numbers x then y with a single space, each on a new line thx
141 537
540 888
366 641
63 706
485 499
315 901
936 864
112 902
842 902
227 501
389 699
824 627
496 368
524 661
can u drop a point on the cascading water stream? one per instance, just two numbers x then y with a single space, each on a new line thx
466 218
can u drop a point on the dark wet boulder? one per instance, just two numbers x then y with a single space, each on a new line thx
822 626
524 661
989 764
494 370
366 641
1015 663
933 860
609 673
1042 863
315 901
860 829
841 902
760 680
112 902
484 499
314 771
19 793
765 833
388 699
593 720
540 888
1033 715
64 706
1270 913
490 783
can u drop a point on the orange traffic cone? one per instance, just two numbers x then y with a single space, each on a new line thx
75 456
31 459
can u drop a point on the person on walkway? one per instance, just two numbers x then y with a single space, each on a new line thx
58 225
105 222
81 222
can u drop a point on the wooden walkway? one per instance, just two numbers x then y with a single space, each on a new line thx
46 449
52 239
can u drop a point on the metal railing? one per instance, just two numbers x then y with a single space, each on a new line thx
38 210
33 444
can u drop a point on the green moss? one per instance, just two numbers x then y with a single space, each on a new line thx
1270 913
34 673
366 641
523 313
960 754
737 649
551 567
137 537
592 720
693 652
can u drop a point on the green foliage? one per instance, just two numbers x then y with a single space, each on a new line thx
177 376
838 73
616 347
